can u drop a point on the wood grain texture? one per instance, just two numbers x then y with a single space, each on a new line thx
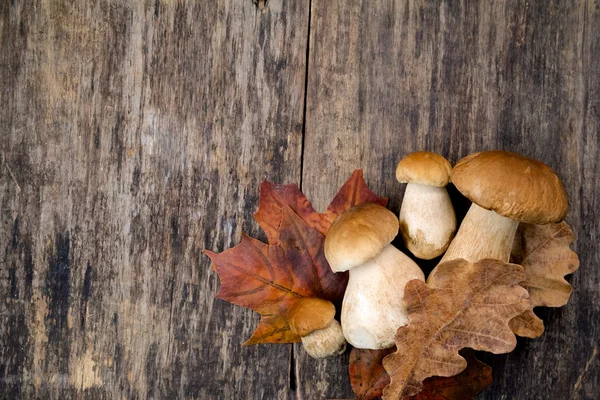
135 134
458 77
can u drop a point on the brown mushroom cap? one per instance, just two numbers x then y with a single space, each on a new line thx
512 185
358 235
424 168
310 314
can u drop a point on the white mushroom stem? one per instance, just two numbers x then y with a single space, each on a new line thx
325 342
427 220
483 234
373 307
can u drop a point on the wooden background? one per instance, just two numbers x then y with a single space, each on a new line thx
135 134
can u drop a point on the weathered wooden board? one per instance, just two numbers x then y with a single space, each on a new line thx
134 134
390 77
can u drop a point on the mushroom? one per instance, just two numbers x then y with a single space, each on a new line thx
373 307
313 320
505 188
427 219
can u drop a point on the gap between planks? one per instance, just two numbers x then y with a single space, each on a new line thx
294 367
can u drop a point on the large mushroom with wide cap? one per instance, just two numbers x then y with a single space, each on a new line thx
313 320
505 188
427 219
373 307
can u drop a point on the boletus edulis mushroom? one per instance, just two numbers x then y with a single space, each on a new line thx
373 307
427 219
505 188
313 320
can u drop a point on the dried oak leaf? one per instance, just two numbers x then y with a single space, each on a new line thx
527 324
368 378
270 278
544 253
464 305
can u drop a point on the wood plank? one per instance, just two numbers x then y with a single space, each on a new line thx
390 77
134 135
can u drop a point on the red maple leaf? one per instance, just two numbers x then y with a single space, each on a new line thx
271 278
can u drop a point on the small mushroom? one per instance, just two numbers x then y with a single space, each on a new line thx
373 307
313 320
427 219
505 188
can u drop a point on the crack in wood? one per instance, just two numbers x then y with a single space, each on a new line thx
293 378
585 370
12 176
305 100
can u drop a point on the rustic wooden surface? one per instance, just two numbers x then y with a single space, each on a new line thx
134 134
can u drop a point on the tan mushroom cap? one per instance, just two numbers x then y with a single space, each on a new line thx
424 168
358 235
512 185
310 314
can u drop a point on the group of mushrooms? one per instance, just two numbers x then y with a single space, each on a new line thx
505 188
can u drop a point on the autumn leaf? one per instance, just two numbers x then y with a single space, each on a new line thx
547 258
271 278
368 378
464 386
367 375
463 305
274 197
544 253
527 324
355 191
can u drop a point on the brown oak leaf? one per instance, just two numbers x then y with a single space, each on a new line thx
544 252
464 305
368 378
271 278
527 324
